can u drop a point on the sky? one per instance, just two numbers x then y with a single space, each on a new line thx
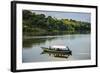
79 16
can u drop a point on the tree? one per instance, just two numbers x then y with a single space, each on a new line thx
40 24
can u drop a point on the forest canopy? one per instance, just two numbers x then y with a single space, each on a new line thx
40 24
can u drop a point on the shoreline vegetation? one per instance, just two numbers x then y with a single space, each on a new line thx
42 25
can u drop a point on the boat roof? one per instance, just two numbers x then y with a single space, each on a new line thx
61 47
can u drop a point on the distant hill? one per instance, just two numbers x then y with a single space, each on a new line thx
38 24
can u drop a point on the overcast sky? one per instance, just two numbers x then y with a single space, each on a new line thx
67 15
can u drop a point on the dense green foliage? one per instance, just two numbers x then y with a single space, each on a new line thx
39 24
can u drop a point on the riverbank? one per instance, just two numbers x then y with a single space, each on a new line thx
39 25
46 33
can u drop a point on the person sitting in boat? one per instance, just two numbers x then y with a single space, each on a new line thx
68 48
49 47
58 49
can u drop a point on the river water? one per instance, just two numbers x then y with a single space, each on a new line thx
80 44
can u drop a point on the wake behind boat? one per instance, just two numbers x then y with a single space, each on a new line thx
60 50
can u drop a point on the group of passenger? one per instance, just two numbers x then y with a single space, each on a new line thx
58 49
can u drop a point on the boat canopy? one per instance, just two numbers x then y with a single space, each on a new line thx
60 47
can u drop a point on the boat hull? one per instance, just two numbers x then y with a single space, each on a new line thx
63 52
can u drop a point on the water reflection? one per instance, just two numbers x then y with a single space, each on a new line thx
29 42
58 55
79 44
37 40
